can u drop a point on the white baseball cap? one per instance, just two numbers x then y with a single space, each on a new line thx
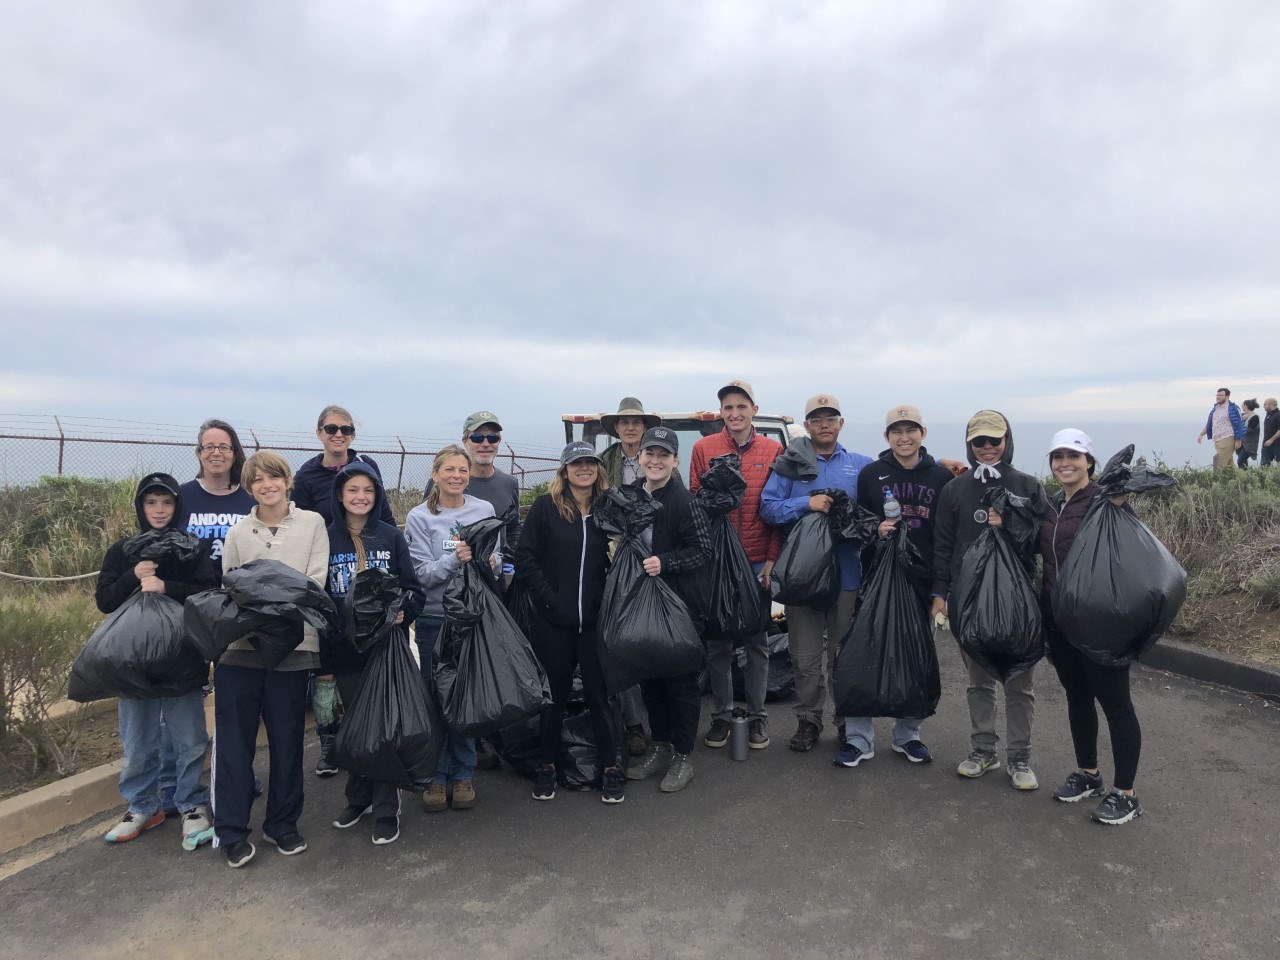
1071 439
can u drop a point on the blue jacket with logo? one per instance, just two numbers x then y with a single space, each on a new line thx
785 501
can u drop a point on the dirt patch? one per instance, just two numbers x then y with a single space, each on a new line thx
1236 623
99 744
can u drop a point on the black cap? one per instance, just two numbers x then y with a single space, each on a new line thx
159 481
661 437
579 450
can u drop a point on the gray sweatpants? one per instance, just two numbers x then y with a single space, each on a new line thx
1019 709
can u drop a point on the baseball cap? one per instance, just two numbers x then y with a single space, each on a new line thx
661 437
479 419
159 481
578 450
1071 439
821 401
986 423
737 386
904 412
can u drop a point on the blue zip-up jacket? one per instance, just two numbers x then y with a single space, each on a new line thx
1233 413
784 501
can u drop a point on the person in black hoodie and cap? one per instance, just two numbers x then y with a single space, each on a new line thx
562 560
358 539
159 506
679 544
961 518
907 473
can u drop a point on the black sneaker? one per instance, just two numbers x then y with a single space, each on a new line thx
637 742
806 736
287 845
1078 785
240 853
323 767
544 784
386 830
350 816
611 791
718 735
1117 808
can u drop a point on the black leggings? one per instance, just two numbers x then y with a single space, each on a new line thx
1085 681
559 651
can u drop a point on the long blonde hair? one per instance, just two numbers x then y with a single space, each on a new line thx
562 496
452 450
357 536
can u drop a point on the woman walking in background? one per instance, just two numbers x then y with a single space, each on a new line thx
1084 680
1252 428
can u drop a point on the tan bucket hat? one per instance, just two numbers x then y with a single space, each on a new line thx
628 407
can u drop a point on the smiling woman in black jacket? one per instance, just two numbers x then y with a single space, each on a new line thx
562 559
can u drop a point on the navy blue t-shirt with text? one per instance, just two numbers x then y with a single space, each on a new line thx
210 516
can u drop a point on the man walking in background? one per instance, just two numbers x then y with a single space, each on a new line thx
1225 427
1269 449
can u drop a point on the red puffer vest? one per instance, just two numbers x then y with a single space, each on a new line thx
761 541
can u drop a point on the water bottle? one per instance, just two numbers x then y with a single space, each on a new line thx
892 508
739 747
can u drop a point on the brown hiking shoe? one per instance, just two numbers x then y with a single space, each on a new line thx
806 736
435 799
464 795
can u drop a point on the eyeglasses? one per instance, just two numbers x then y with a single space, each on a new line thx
215 448
981 442
485 438
823 421
332 429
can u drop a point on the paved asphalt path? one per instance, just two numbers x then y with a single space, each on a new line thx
782 856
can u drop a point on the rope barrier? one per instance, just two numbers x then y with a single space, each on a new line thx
15 576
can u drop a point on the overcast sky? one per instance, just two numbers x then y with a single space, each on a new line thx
1068 211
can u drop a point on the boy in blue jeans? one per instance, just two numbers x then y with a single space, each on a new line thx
158 502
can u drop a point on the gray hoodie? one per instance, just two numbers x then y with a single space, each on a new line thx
432 538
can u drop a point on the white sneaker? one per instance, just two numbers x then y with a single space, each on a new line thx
196 828
132 826
1022 776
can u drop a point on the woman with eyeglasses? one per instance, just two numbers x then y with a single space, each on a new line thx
313 490
313 484
961 516
214 501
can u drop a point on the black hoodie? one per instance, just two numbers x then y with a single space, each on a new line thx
116 580
961 516
917 488
385 546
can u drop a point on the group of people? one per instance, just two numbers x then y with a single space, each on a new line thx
1240 436
332 519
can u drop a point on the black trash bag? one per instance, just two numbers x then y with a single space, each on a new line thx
1119 478
1119 588
888 665
138 652
645 628
486 674
807 573
1021 523
520 746
781 684
176 546
993 608
392 730
285 599
213 622
734 606
519 603
798 462
372 604
577 758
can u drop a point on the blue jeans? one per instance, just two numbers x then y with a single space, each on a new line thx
860 731
140 735
458 758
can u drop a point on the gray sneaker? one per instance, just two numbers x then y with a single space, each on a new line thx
678 774
977 764
656 759
1022 776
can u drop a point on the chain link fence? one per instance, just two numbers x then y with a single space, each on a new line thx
35 446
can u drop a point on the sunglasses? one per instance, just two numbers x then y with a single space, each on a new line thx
332 429
485 438
981 442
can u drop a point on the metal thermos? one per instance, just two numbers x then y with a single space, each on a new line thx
739 747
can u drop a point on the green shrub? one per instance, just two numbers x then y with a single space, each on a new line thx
62 526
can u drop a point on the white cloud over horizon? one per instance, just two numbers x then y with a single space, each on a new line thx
1059 209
